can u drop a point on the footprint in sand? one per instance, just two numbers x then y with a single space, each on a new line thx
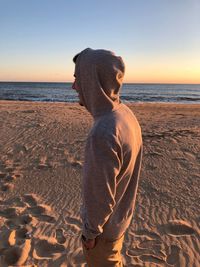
15 247
15 216
24 210
7 182
16 202
17 255
24 219
60 236
16 236
4 239
45 249
9 213
38 210
31 199
8 175
41 212
46 218
178 228
173 257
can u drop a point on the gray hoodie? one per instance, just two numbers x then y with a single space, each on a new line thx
113 149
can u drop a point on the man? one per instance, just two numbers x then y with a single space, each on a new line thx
112 157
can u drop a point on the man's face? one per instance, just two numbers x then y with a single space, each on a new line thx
75 85
76 88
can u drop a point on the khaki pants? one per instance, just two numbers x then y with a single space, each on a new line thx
105 253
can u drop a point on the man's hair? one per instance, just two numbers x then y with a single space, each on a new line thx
75 57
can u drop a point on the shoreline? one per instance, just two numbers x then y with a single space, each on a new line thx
75 102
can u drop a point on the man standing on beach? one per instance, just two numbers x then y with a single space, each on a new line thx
112 157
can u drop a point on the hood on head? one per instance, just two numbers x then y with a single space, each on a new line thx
99 75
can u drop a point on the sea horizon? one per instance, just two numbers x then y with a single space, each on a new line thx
175 83
130 92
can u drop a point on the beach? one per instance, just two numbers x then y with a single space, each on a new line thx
42 154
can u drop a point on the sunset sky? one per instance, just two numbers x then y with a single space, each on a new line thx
158 40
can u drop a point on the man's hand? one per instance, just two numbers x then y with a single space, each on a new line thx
88 243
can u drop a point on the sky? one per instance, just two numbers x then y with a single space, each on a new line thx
159 40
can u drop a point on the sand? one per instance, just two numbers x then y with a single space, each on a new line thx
41 148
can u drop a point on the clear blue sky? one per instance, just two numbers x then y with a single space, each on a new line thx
158 39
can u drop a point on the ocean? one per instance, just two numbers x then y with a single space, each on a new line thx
131 92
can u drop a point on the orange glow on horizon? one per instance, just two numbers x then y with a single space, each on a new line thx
164 70
158 72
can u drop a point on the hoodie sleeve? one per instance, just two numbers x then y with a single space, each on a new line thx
102 165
